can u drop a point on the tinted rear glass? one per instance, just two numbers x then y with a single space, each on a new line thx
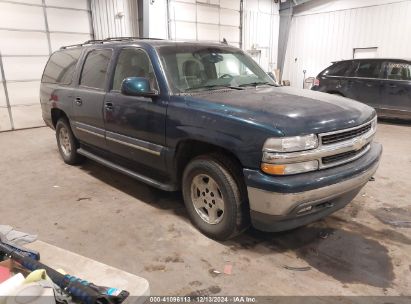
61 66
94 73
338 69
398 71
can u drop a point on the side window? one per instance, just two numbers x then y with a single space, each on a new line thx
352 69
133 63
94 73
398 71
61 66
369 69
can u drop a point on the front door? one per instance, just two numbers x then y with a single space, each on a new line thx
135 126
396 93
87 120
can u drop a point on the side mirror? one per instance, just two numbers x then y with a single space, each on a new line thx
137 86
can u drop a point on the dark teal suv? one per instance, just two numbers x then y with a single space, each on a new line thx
207 120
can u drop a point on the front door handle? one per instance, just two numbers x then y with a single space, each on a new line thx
78 101
109 106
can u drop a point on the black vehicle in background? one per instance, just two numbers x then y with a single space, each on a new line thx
384 84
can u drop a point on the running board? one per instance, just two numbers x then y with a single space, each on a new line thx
139 177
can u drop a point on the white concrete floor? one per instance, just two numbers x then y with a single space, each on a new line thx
364 249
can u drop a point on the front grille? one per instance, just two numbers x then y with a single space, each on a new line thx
341 156
342 136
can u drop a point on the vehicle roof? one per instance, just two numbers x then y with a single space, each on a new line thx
121 41
380 59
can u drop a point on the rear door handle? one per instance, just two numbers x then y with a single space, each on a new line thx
78 101
109 106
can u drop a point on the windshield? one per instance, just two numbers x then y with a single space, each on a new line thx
198 67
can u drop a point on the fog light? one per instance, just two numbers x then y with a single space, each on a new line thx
286 169
305 209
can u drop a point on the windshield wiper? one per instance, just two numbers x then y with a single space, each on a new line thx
214 86
255 84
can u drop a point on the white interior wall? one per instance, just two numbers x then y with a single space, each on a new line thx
158 23
114 18
29 31
214 20
206 20
331 30
261 23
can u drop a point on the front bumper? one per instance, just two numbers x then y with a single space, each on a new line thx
280 203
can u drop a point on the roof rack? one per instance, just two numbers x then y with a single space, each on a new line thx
110 39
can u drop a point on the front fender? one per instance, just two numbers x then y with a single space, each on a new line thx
212 125
230 142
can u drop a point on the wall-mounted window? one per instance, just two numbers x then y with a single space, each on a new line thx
364 53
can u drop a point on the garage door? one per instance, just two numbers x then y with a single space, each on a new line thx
210 20
29 31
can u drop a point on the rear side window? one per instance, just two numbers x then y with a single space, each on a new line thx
61 66
338 69
398 71
94 73
368 69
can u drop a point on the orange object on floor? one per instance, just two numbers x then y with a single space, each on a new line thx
5 274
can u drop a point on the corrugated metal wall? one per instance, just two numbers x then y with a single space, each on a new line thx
114 18
261 22
214 20
317 39
210 20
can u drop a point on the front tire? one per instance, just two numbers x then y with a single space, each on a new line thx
67 143
215 196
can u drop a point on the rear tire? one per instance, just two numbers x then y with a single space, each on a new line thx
215 196
67 143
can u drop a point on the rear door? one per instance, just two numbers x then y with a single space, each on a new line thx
396 92
366 83
135 125
88 99
333 79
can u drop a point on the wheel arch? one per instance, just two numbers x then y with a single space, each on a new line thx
56 114
188 149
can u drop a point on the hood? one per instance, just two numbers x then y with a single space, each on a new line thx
289 110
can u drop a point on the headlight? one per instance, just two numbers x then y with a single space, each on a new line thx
374 124
291 144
